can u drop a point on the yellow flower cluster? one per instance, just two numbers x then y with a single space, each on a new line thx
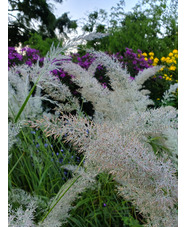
155 62
172 68
166 77
151 57
170 65
171 60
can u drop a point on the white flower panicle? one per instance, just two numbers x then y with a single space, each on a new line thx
169 95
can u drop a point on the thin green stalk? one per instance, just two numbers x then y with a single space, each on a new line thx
79 165
60 198
65 190
27 98
16 164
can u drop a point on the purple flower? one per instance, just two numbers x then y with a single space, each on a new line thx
128 49
100 67
139 51
136 68
150 61
60 160
104 204
55 71
134 55
128 52
29 62
20 57
104 85
62 75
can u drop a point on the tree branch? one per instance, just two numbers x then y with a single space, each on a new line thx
13 9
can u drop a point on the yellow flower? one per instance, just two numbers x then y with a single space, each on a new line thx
156 60
169 61
163 59
158 98
165 75
175 51
172 67
170 54
144 54
162 68
146 59
176 55
151 58
139 55
151 54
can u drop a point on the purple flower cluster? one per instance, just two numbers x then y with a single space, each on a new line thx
32 56
85 61
27 56
134 62
14 57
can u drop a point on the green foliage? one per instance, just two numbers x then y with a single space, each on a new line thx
35 163
103 207
157 87
151 26
96 23
43 45
31 11
64 22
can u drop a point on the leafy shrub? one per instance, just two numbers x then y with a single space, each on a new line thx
164 78
43 45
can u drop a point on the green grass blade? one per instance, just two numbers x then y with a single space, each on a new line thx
26 100
16 164
61 197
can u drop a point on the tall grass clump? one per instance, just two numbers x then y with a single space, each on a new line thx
135 145
119 139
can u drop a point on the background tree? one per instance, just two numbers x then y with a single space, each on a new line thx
29 16
150 26
43 45
97 22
